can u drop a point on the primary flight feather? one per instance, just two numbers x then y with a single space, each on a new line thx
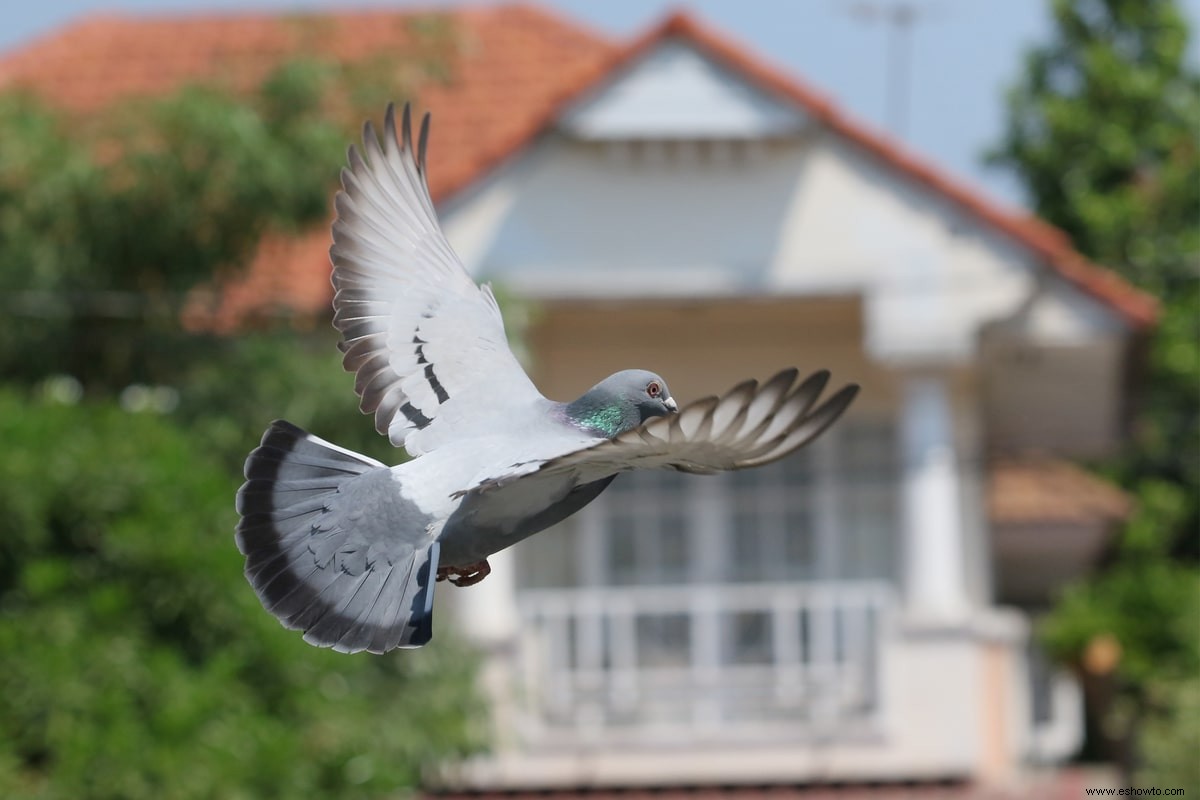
347 549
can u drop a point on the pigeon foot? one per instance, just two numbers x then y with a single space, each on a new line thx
465 576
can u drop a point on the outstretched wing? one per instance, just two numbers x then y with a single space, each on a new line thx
426 343
749 426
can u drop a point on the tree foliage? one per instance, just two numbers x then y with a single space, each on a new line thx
135 661
1103 133
109 222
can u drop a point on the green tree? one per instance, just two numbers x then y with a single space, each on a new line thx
1102 132
109 222
136 663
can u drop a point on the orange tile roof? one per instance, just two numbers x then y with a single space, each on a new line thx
1046 490
513 68
507 66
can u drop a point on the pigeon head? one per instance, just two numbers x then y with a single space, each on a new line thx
621 402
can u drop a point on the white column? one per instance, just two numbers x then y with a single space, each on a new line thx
934 563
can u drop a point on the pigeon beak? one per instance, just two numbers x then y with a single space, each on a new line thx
670 403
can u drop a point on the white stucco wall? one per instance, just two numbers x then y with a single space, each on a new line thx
805 217
726 199
808 216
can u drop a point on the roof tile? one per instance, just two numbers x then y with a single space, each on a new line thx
1039 490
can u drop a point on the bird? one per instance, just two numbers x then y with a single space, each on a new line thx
347 549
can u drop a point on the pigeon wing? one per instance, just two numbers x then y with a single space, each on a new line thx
426 343
749 426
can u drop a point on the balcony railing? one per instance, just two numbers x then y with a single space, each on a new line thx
693 663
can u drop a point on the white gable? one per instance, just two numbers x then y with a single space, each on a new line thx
679 179
807 216
674 92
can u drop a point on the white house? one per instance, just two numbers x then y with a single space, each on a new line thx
861 610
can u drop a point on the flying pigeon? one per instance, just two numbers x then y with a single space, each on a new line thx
347 549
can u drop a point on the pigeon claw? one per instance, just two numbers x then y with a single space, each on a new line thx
469 575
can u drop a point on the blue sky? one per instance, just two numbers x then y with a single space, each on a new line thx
963 53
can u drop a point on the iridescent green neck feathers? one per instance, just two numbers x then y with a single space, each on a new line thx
620 403
605 420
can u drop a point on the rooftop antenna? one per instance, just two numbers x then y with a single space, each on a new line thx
899 16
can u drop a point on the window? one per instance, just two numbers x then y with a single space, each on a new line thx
772 535
647 529
868 520
753 597
828 512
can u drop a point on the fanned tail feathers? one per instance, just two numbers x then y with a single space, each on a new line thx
317 566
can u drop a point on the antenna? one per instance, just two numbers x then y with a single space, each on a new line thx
899 17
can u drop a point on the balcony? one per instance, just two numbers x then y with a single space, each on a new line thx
701 664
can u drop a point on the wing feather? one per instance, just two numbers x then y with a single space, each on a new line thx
767 400
750 425
426 343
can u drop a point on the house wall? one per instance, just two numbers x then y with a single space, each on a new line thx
807 216
628 219
703 347
713 257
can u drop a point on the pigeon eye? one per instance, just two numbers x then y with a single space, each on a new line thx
654 389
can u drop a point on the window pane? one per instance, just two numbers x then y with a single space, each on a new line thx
799 541
771 521
648 529
745 545
869 543
548 560
748 638
673 550
869 509
663 641
622 553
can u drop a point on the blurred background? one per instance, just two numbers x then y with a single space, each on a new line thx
982 583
